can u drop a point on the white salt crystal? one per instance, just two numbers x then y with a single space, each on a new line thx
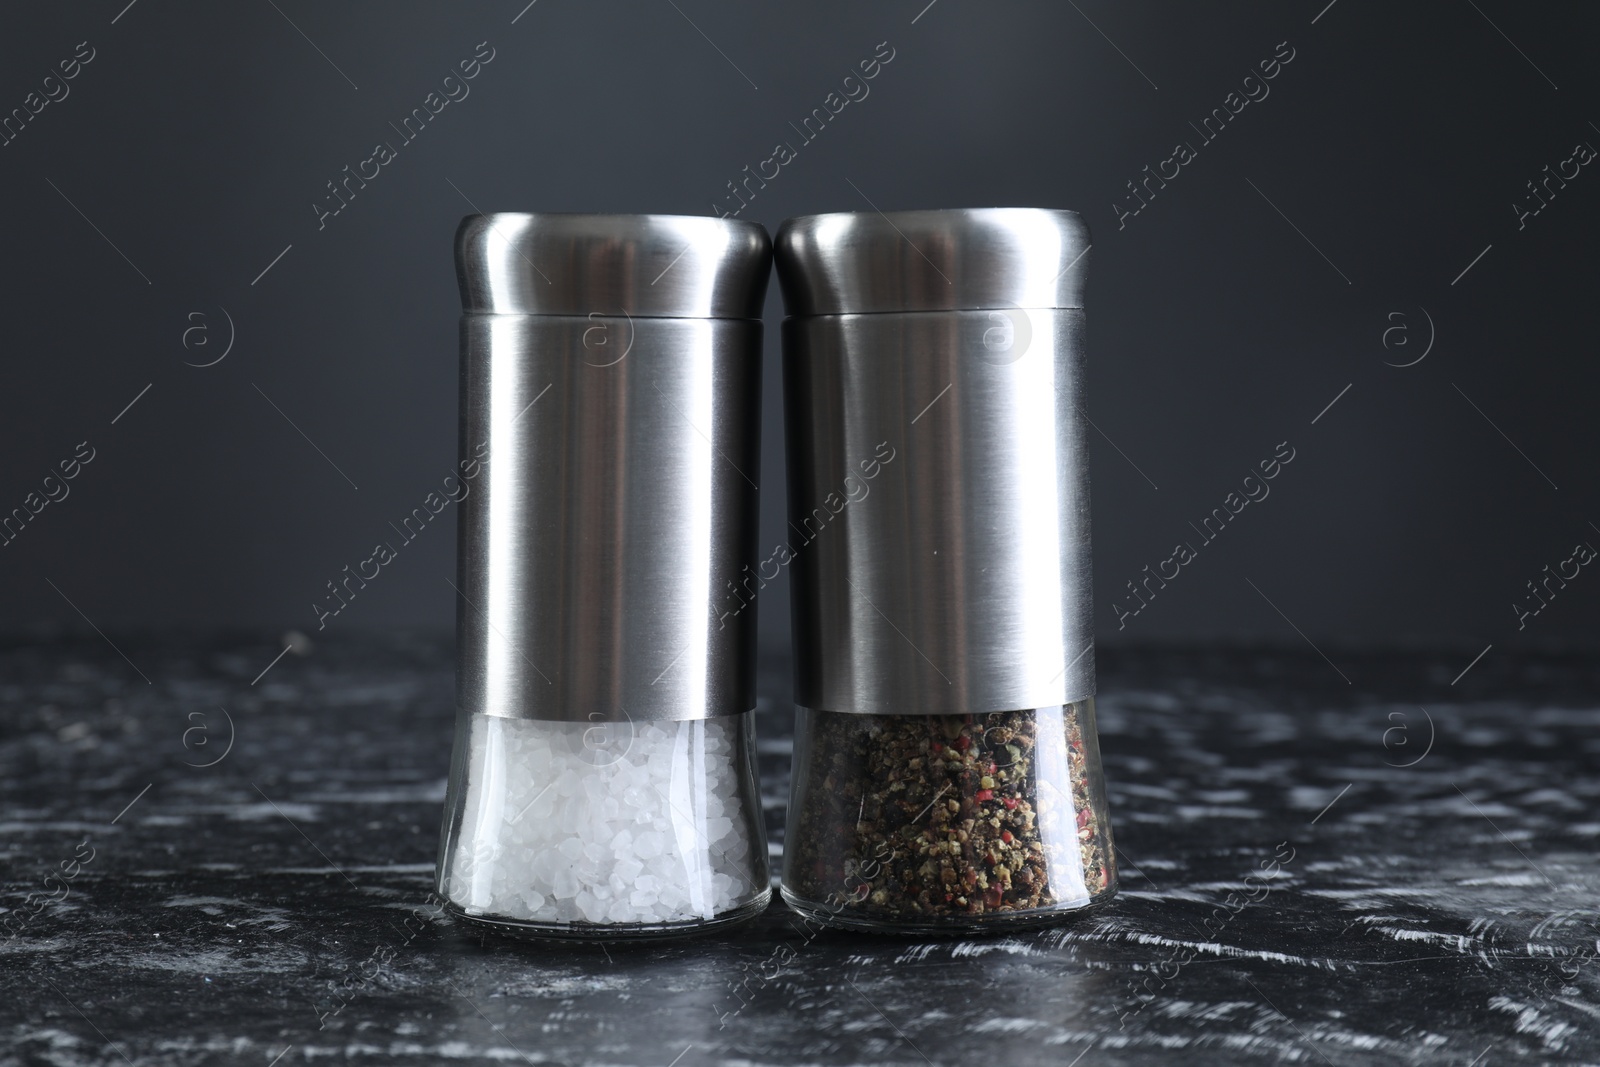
648 831
544 865
647 845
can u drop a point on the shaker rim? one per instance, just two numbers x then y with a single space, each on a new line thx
962 259
641 266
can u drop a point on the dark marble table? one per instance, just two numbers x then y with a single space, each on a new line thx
1437 902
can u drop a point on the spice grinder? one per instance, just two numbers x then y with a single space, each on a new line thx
947 774
603 780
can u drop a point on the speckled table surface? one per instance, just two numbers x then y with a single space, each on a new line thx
203 870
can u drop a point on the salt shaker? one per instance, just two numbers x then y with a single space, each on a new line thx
947 773
603 780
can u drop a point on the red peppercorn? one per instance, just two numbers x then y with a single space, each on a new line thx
1083 818
963 742
1009 802
984 794
937 747
1005 835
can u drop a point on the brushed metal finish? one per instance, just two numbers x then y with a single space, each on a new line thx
674 266
611 389
616 501
961 582
867 262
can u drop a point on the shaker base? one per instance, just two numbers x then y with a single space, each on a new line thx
587 931
992 923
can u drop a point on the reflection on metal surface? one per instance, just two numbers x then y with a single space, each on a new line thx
956 338
618 429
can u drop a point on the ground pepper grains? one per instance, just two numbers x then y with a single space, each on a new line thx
945 821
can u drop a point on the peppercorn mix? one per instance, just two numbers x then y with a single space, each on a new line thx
949 820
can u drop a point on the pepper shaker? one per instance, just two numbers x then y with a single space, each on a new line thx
603 779
947 772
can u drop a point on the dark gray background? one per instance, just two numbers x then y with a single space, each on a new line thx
1396 141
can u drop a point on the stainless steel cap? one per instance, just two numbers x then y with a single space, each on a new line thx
970 259
610 440
649 266
938 461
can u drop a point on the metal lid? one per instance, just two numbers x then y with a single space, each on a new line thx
863 262
660 266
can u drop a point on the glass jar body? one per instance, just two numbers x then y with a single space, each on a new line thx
947 823
604 830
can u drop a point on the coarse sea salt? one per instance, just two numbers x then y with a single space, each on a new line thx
617 823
